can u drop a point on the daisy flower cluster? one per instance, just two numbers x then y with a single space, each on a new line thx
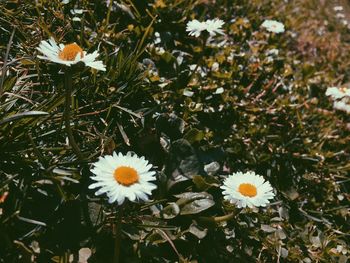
130 177
212 26
341 98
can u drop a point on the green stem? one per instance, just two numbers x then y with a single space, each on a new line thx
118 235
204 44
227 217
109 13
66 115
68 81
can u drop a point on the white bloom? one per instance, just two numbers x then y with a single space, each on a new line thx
219 90
213 26
341 105
338 8
76 11
195 27
69 54
337 93
123 176
65 2
273 26
157 39
247 189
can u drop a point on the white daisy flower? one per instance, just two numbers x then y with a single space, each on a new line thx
338 93
195 27
69 54
123 176
213 26
273 26
338 8
342 105
247 189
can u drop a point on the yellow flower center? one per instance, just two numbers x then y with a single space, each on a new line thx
343 89
247 190
70 51
126 175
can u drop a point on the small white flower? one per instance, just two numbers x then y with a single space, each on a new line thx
123 176
247 189
69 54
338 8
341 105
273 26
76 11
65 2
213 26
337 93
157 39
195 27
219 90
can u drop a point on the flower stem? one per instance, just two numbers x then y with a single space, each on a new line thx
118 226
227 217
204 44
66 115
68 81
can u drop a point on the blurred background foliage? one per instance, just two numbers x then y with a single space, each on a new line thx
249 100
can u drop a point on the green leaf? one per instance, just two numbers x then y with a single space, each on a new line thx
197 206
194 203
23 115
204 183
168 57
194 135
170 211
